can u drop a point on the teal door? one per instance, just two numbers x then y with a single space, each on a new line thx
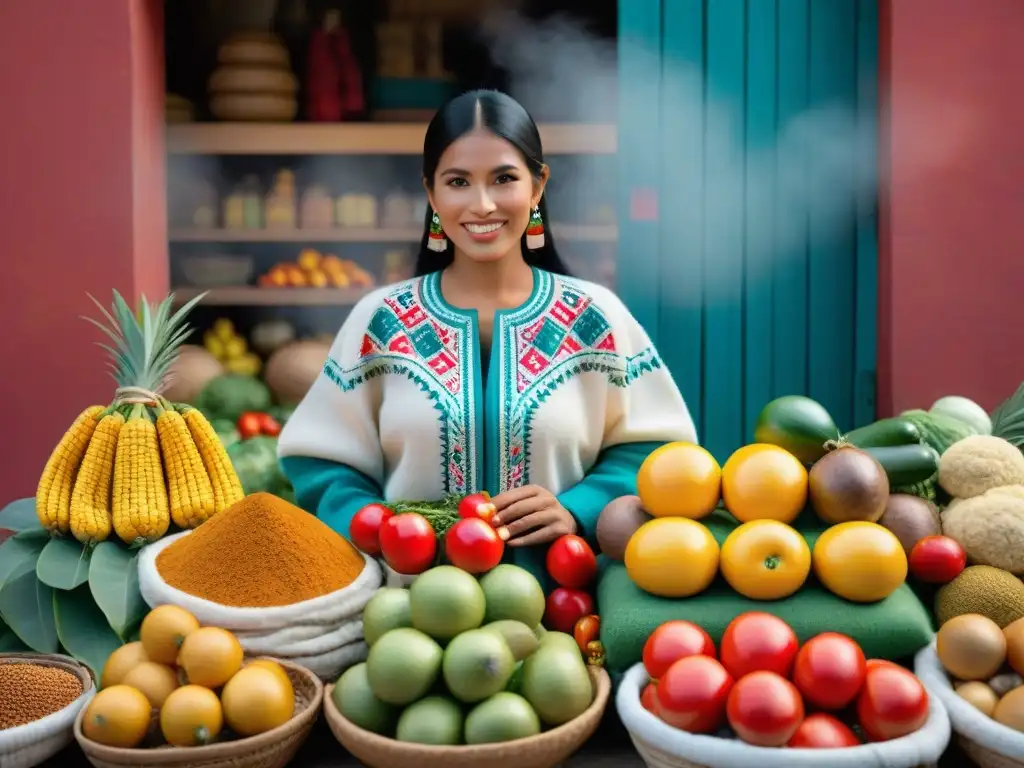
748 230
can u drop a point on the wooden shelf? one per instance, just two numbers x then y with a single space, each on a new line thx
248 296
358 139
579 232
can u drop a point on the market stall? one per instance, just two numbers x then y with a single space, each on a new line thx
159 593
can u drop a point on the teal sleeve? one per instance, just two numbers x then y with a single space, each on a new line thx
333 492
613 475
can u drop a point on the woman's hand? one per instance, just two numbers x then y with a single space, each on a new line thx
531 515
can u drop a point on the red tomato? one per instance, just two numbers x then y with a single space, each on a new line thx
586 631
408 543
692 693
764 709
829 670
364 530
892 702
673 641
249 424
571 562
649 699
937 559
757 641
565 607
477 505
823 731
473 545
269 426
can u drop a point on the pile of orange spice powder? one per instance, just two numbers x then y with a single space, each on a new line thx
30 692
261 552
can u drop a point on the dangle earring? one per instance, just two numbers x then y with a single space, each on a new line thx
436 241
535 230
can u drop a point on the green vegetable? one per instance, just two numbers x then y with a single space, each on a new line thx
894 431
281 412
232 394
1008 418
255 460
937 430
906 464
965 410
799 424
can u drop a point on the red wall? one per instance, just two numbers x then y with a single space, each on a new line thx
81 206
952 241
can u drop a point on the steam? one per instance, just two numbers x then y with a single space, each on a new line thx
820 165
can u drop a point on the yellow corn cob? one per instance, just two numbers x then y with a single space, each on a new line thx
188 483
140 504
53 493
90 499
227 488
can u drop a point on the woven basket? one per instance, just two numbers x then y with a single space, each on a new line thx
218 270
33 743
544 750
662 746
273 749
988 743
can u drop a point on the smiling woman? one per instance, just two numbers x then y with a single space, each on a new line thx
492 369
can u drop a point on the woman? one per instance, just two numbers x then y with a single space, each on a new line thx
492 369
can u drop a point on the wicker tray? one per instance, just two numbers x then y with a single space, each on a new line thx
662 746
988 743
273 749
545 750
33 743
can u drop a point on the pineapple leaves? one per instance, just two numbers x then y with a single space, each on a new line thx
1008 419
145 341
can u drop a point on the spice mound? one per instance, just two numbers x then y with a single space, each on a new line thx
30 692
261 552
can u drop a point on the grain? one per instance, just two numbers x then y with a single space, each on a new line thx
29 692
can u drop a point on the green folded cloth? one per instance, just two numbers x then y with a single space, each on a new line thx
893 628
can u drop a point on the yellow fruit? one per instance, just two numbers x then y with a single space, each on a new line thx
679 480
164 630
860 561
191 716
277 669
672 557
210 657
764 482
223 328
155 681
765 560
121 662
235 347
255 700
214 346
117 717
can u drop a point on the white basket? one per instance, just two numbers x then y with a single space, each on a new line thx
29 745
987 742
662 746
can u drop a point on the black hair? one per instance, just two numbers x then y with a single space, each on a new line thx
504 117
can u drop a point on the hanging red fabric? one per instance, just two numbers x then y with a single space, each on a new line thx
334 82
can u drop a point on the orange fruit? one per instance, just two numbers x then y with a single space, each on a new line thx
256 700
191 716
210 657
156 681
679 480
121 662
672 557
277 669
764 482
765 560
164 630
117 716
860 561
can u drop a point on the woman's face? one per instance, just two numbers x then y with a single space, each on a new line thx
483 194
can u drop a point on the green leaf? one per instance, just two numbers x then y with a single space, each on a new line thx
114 583
26 606
83 629
63 564
20 553
1008 418
20 515
9 642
